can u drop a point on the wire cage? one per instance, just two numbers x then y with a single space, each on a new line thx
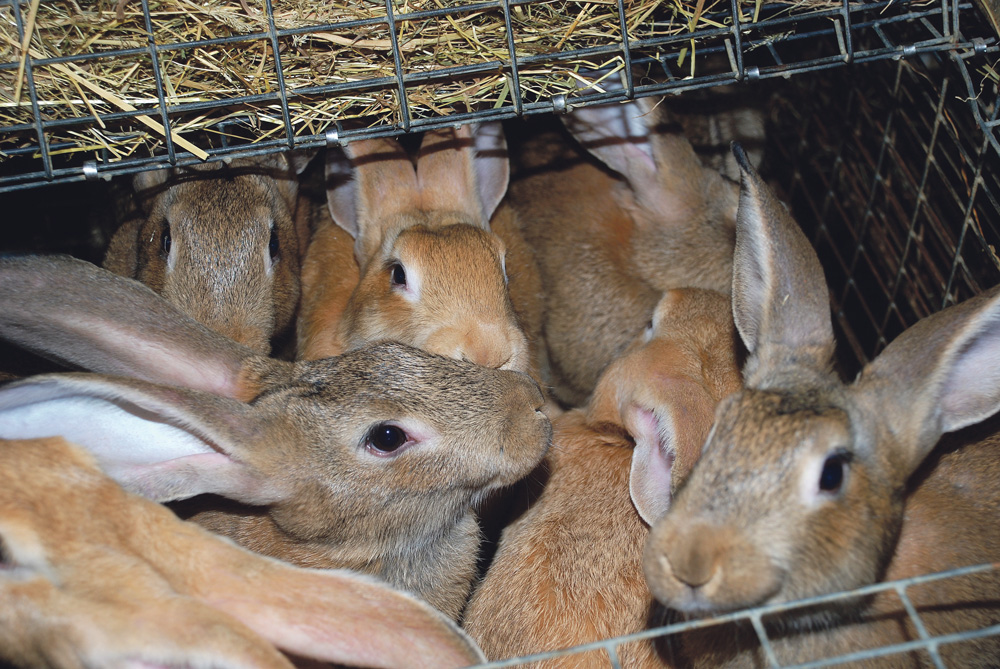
888 155
71 107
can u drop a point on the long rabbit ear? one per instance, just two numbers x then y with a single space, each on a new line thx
332 615
781 303
619 135
464 169
74 312
940 375
368 183
161 442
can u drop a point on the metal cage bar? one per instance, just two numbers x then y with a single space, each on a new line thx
863 31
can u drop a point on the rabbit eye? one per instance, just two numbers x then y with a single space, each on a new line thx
165 241
6 560
398 274
272 246
834 469
386 438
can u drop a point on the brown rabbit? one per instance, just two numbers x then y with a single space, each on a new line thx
220 242
91 575
809 485
609 243
370 461
570 570
428 270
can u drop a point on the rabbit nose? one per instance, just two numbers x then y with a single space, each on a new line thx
487 345
694 553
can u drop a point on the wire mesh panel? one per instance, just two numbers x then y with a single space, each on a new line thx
894 169
95 89
925 646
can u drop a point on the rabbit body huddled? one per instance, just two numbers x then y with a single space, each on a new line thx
569 571
619 271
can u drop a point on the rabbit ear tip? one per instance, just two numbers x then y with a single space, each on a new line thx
741 157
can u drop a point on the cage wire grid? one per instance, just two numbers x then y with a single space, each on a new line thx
893 169
751 41
757 617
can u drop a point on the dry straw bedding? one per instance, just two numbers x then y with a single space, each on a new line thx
326 43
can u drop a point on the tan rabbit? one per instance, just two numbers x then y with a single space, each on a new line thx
808 485
91 575
221 243
609 243
570 570
428 271
371 461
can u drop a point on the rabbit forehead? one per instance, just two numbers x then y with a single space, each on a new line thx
455 239
757 447
390 375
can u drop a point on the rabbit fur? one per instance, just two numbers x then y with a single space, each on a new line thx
222 243
292 447
808 485
569 571
616 218
126 583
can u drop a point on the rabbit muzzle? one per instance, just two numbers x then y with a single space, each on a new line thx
699 568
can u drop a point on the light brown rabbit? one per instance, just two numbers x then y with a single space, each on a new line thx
371 461
570 570
93 576
609 243
220 242
429 271
808 485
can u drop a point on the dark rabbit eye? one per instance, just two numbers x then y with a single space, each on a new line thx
386 438
165 241
398 274
834 469
273 246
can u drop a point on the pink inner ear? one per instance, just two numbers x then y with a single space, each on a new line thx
652 463
191 475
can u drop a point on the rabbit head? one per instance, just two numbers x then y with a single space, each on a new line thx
432 274
801 485
126 583
663 391
219 242
361 460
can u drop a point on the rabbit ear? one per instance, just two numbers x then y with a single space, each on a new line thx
285 169
464 169
619 136
940 375
162 443
668 441
76 313
650 479
367 184
655 158
781 304
332 615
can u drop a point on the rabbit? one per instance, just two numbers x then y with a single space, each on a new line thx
427 269
372 460
808 485
127 583
611 236
222 242
569 571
